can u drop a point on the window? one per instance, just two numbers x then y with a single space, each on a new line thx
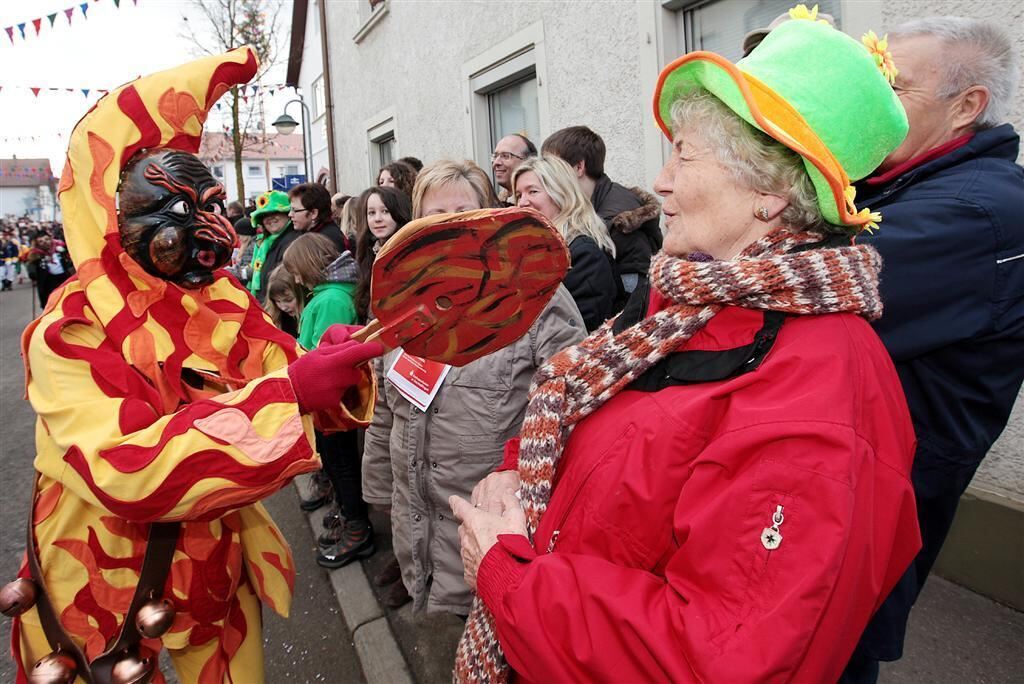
382 145
218 171
720 25
254 170
506 92
291 170
513 109
319 98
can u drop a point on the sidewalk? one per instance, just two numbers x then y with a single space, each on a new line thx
954 636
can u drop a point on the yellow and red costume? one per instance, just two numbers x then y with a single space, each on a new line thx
127 437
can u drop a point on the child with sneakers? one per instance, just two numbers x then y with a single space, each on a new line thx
330 278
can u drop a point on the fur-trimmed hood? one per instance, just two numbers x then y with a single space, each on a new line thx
632 219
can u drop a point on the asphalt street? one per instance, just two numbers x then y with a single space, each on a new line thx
312 646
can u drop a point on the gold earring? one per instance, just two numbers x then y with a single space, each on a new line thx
762 213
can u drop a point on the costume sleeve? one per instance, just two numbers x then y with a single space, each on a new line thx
937 287
719 607
106 442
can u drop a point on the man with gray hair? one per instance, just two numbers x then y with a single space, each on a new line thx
952 242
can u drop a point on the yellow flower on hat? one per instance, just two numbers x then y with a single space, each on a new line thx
801 12
873 218
879 49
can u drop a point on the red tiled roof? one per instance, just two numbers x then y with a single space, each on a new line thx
217 147
25 173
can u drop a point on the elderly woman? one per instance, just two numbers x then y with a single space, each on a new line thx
549 185
714 486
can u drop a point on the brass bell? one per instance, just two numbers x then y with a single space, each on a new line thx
154 618
56 668
134 667
18 596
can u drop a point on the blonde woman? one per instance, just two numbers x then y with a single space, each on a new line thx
459 439
549 185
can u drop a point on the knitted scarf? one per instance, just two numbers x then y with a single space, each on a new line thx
259 257
769 275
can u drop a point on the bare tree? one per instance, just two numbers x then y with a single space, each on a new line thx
221 25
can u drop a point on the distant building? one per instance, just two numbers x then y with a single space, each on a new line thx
27 189
306 72
280 157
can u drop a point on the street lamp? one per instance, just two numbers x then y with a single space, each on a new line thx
286 125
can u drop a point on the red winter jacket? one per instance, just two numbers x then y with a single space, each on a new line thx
649 563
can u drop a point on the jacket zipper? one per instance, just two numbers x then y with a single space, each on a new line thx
568 507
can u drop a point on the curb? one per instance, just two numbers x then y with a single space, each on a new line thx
376 647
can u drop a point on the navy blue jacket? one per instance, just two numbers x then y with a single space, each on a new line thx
952 243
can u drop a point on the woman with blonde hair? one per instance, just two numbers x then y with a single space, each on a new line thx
448 448
549 185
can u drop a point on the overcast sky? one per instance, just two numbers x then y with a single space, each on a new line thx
109 48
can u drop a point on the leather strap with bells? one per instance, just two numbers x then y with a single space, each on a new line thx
119 662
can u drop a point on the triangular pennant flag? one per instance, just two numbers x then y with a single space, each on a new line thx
37 23
246 98
55 89
21 27
68 12
85 91
52 18
70 90
85 9
35 91
10 32
117 3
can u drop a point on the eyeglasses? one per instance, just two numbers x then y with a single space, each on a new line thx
293 210
505 157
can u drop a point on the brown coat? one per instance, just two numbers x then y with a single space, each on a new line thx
454 445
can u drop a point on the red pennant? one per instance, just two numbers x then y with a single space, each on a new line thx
35 91
68 12
10 32
37 23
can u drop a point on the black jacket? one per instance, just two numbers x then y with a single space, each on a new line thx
591 282
633 218
273 260
331 230
952 244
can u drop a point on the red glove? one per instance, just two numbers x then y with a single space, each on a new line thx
321 377
338 333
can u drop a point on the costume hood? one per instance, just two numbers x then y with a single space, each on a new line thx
160 327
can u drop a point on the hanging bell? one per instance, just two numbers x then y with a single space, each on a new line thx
154 618
18 596
56 668
136 666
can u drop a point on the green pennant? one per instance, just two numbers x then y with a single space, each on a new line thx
51 17
117 3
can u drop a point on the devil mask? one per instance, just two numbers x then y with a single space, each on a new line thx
171 218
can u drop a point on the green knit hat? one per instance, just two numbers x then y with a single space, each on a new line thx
272 202
815 90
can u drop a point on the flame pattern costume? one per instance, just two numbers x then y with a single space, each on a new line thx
158 402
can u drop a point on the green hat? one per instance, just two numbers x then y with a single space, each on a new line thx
273 202
815 90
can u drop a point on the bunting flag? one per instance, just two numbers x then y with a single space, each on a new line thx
35 91
37 23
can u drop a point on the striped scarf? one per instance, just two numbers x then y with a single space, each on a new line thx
768 276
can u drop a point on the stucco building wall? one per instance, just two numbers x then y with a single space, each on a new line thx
598 64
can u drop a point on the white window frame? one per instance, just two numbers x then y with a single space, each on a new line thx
248 171
318 97
507 62
380 128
